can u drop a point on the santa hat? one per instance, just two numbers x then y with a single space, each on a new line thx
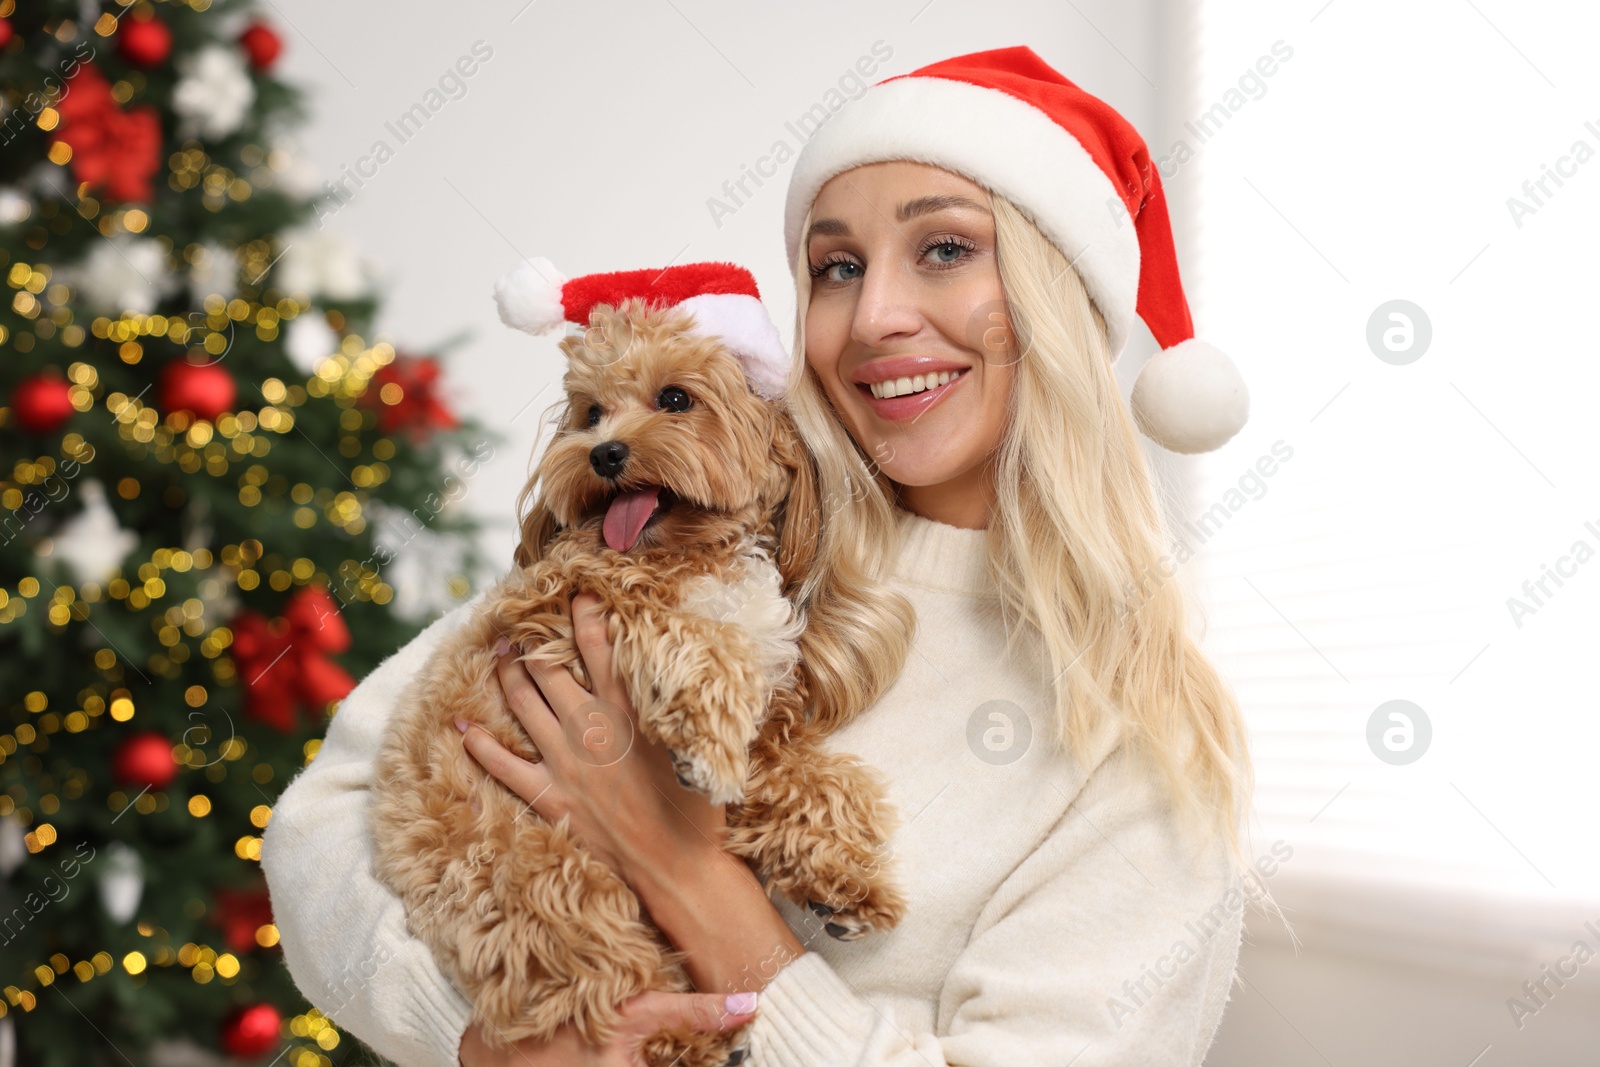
722 297
1008 121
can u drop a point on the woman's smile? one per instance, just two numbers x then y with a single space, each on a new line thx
903 387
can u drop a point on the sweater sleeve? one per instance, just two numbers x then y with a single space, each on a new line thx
1110 944
344 934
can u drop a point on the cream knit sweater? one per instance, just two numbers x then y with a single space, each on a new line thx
1054 916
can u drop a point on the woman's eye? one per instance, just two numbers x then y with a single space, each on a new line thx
673 398
961 249
822 270
594 414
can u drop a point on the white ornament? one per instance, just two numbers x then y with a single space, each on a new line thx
319 263
14 207
121 274
216 594
92 543
215 272
215 92
121 882
13 845
292 171
309 339
420 559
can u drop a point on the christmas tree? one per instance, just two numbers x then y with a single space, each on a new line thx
214 477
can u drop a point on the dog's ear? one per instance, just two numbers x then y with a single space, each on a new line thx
538 526
798 518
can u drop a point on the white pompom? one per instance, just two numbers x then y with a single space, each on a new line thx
1190 398
529 297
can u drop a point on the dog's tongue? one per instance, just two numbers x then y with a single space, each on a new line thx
627 515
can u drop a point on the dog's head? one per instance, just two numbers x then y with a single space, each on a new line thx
664 443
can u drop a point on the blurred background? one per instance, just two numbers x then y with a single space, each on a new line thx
282 278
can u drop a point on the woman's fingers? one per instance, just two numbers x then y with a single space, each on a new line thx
528 780
590 632
651 1012
527 702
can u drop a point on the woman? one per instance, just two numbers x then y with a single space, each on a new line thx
1069 769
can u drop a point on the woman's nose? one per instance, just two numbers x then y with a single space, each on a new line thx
886 307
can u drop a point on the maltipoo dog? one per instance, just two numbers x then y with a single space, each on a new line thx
687 502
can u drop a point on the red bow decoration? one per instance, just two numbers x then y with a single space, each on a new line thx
284 662
418 407
111 147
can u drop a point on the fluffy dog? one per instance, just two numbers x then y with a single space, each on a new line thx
689 505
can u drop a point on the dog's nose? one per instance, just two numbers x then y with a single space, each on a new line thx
608 457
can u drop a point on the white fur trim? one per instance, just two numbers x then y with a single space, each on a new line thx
529 296
1190 398
742 323
997 141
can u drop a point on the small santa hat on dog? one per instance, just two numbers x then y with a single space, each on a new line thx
1008 121
722 297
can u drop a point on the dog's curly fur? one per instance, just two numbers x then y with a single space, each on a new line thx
703 627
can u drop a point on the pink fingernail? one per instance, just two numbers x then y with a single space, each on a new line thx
461 726
740 1003
502 646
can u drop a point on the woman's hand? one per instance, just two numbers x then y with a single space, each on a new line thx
642 1016
616 786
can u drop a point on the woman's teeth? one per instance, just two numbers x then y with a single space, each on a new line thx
907 386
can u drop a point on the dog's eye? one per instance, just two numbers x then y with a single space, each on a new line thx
594 414
673 398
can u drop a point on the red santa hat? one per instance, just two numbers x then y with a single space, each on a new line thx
721 297
1008 121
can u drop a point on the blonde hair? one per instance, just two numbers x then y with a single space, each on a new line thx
1073 538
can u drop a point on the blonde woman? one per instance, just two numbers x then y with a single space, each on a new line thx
1071 772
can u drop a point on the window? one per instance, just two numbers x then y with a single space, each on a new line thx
1389 215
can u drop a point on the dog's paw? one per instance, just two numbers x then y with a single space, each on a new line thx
680 767
880 909
837 930
697 774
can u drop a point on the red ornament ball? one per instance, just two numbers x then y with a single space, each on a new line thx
42 402
240 913
5 33
144 42
145 759
261 44
205 389
251 1031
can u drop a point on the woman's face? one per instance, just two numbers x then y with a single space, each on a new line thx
906 293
